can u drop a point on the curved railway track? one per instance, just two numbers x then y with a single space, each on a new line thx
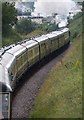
31 82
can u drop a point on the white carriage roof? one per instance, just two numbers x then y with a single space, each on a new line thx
51 35
41 38
1 51
9 56
7 59
65 30
16 50
29 44
57 32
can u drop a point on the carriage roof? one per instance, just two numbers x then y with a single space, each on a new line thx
29 44
41 38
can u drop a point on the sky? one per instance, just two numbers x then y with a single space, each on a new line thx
47 7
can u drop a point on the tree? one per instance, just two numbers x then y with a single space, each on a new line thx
25 26
9 16
48 27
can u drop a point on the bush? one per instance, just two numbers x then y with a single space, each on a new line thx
75 35
24 26
12 37
47 27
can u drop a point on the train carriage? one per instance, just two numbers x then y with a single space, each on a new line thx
5 93
5 106
45 45
16 59
60 38
53 38
16 69
7 62
32 51
66 33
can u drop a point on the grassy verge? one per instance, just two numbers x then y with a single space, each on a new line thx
61 94
34 33
76 26
11 38
15 37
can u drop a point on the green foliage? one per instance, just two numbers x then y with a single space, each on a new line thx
75 26
47 27
25 26
34 33
13 30
8 17
13 37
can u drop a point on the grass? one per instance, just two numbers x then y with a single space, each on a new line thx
34 33
11 38
61 94
15 37
76 26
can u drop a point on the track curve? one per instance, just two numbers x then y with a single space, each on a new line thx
25 95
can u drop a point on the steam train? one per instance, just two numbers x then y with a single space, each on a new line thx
17 58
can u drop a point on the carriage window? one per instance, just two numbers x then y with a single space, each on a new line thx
30 53
4 105
36 50
61 37
14 69
24 55
66 35
19 62
11 76
43 45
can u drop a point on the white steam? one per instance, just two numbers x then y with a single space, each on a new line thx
47 7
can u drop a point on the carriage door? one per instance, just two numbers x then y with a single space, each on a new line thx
42 50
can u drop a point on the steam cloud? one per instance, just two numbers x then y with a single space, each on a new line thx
47 7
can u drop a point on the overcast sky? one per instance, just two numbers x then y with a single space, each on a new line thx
47 7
